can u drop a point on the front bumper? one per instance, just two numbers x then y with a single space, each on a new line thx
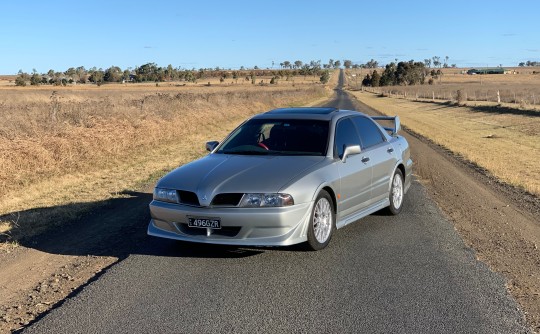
239 226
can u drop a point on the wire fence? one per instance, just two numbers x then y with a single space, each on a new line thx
523 98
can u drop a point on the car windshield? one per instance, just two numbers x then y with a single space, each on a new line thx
278 137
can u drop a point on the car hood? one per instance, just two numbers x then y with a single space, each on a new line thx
223 173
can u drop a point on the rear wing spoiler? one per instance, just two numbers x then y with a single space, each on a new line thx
395 119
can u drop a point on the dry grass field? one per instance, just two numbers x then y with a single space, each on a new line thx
504 141
522 88
83 144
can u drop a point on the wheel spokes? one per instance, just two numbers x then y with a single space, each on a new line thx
322 220
397 191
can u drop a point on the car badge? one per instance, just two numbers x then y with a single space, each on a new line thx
204 198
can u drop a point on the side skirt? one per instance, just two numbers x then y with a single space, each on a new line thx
361 214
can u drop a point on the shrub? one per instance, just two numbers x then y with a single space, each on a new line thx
19 81
325 77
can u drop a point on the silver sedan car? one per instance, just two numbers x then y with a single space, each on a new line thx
284 177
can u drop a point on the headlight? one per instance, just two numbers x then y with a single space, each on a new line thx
165 195
265 200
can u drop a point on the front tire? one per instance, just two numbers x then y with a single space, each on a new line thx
397 193
322 222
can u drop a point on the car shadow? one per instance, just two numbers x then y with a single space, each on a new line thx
115 227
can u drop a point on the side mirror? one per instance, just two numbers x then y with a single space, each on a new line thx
211 145
350 150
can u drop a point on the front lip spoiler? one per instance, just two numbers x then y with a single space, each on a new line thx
284 240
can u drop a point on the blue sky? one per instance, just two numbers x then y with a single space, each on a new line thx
193 34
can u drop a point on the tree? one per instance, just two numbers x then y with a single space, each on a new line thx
372 64
35 79
126 75
337 64
427 62
81 74
70 72
410 73
325 77
522 64
287 64
151 72
347 63
170 73
367 80
306 70
315 65
96 75
298 64
113 74
19 81
436 74
375 79
388 78
436 61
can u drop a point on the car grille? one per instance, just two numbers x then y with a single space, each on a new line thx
226 231
188 197
227 199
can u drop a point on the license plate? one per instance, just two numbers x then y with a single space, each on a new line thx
213 223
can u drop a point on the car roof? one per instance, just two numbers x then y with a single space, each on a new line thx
314 113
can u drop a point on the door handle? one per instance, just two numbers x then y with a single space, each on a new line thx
365 160
390 150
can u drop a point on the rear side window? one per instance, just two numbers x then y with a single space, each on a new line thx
346 135
370 135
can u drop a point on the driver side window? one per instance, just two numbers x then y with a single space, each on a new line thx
346 135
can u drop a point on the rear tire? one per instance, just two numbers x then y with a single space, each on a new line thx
322 222
397 193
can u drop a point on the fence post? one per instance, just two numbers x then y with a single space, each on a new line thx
433 95
498 97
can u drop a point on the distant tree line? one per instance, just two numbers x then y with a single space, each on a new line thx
151 72
529 63
400 73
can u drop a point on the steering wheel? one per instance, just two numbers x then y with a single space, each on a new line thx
263 146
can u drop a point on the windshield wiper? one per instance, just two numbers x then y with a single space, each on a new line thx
248 152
